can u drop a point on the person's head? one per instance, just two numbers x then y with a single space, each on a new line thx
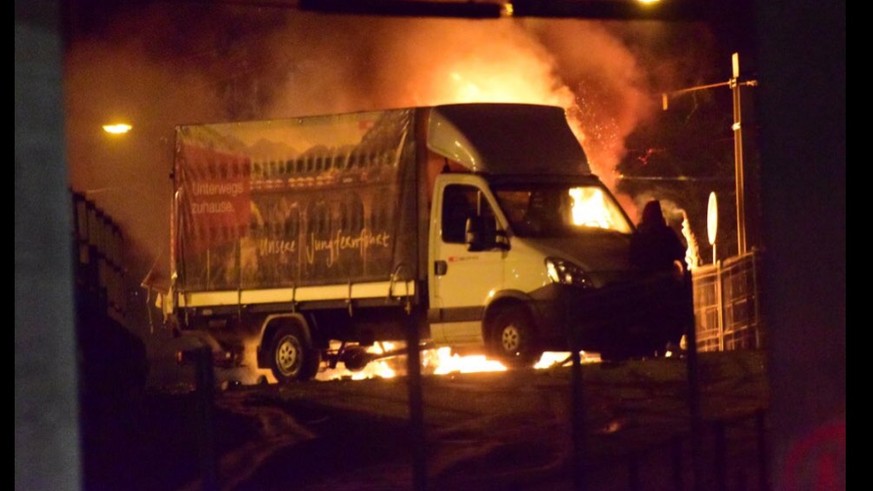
652 214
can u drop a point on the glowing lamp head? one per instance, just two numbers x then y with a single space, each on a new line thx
117 128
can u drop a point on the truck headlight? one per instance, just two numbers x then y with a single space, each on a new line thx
566 273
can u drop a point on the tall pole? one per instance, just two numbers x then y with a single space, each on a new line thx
735 84
738 155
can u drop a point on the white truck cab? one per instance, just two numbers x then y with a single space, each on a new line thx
512 257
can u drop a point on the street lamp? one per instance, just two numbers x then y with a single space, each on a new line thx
117 128
734 83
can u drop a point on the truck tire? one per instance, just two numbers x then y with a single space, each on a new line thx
292 359
514 338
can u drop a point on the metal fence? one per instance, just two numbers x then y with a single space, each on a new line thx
726 304
99 268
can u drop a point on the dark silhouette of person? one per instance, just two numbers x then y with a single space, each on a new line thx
655 246
657 251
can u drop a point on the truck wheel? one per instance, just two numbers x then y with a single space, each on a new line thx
291 358
513 339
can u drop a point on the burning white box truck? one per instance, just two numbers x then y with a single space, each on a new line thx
476 225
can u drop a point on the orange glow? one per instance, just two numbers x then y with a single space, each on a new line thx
117 128
374 369
591 210
692 253
446 363
489 83
440 361
552 359
250 362
588 208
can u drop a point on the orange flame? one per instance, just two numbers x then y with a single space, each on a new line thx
692 253
440 361
589 208
446 363
380 368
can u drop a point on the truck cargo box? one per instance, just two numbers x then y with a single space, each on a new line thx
296 202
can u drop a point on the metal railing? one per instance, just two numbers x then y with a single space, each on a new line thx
726 304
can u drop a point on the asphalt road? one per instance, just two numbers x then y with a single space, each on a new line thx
484 431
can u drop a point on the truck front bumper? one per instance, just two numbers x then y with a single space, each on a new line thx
632 317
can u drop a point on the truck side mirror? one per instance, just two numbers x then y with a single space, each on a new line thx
482 234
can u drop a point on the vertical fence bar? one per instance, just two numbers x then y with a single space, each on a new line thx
205 404
678 482
578 422
759 342
719 302
693 391
634 471
720 456
763 467
416 404
741 480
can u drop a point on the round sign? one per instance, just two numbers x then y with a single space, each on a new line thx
711 218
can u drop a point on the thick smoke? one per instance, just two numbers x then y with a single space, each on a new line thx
579 65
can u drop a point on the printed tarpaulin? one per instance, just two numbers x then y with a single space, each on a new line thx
316 200
217 195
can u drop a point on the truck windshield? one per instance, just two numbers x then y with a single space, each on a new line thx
549 210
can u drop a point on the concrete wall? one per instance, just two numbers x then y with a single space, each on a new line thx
47 452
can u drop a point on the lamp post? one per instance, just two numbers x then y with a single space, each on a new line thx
734 83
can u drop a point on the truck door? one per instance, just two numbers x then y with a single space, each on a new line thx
461 280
